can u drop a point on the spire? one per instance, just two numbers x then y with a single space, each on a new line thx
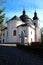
24 12
35 16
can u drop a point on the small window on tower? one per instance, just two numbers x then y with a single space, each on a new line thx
14 33
7 33
34 23
3 40
3 34
31 32
0 41
31 39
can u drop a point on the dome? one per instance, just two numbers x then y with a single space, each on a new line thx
35 16
24 17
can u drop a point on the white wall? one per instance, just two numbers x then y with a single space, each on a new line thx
5 36
38 35
11 27
0 38
31 36
38 32
20 29
28 34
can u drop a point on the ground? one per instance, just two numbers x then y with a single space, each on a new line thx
11 55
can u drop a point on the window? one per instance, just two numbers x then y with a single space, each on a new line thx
3 34
31 32
3 40
7 33
34 23
31 39
14 33
0 41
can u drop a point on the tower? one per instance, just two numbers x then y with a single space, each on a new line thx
35 19
37 27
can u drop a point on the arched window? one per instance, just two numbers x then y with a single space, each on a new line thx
14 33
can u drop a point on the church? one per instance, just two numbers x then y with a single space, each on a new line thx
23 29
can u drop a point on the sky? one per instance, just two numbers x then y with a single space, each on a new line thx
15 7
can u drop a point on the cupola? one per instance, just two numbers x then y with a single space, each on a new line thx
24 17
35 16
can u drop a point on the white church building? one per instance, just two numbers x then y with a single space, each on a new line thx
22 30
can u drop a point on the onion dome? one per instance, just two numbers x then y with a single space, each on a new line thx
35 16
24 17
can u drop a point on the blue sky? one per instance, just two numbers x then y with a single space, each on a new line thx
15 7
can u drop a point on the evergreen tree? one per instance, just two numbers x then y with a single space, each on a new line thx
2 15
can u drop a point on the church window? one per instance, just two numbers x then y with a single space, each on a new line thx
0 41
3 34
7 33
14 32
3 40
34 23
31 39
31 32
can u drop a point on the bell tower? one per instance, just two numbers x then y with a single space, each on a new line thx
37 27
35 19
35 16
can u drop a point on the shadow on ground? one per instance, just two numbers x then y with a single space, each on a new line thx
10 55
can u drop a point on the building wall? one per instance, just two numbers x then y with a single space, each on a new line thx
37 32
31 34
8 33
19 30
4 38
38 35
0 36
0 39
27 33
11 27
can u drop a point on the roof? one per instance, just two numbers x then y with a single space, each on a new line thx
32 26
24 17
14 18
2 27
35 16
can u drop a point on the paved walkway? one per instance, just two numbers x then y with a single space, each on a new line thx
7 44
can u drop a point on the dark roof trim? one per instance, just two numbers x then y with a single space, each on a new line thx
14 18
4 29
26 25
